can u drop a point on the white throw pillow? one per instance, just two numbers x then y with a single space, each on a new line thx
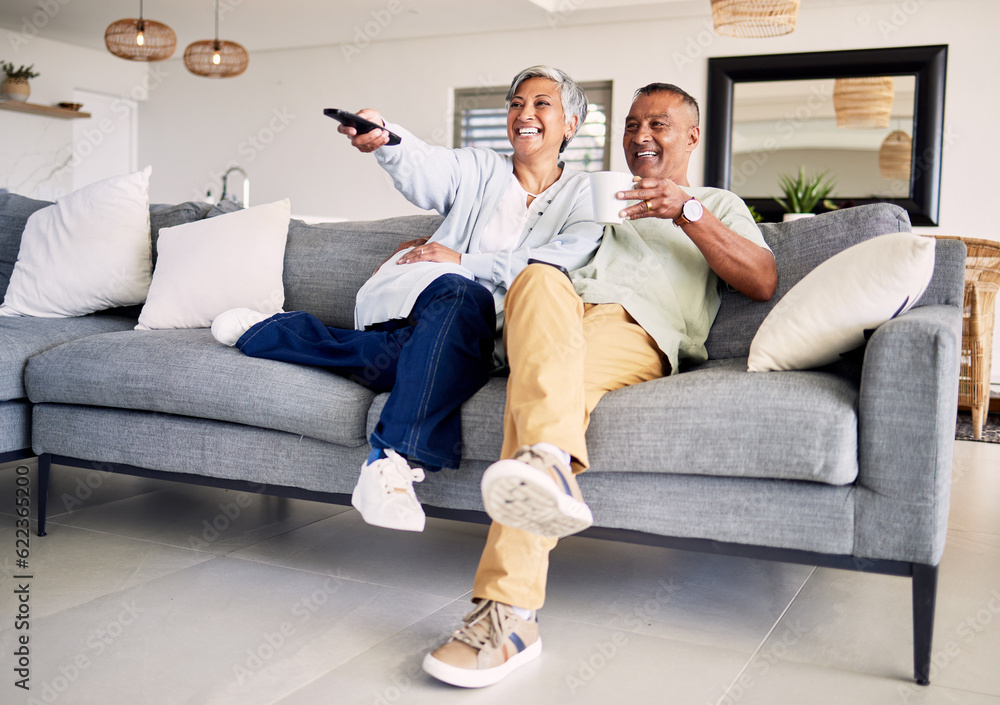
86 252
827 312
212 265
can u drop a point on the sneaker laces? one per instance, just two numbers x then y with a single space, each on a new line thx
397 474
549 464
489 623
534 454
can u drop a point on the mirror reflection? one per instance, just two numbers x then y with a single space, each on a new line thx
859 130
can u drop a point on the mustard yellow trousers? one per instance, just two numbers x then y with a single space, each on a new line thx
564 356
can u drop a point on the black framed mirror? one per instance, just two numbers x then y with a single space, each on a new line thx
776 110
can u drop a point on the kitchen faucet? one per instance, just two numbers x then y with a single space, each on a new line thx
246 186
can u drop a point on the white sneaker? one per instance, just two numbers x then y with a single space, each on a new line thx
229 326
384 494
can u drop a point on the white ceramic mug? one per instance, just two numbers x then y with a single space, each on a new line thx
603 187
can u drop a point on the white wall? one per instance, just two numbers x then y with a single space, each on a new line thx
36 151
270 119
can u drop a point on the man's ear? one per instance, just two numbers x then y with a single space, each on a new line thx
694 136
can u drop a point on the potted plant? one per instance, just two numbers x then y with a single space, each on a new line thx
15 86
803 193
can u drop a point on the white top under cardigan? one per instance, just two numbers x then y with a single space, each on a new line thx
466 186
507 223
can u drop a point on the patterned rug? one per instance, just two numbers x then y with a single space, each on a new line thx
991 431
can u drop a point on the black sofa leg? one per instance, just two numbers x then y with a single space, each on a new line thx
44 470
924 597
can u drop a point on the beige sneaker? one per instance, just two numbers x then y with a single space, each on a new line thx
534 491
493 642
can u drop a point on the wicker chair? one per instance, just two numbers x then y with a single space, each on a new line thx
982 280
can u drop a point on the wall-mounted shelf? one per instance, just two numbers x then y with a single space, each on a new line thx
47 110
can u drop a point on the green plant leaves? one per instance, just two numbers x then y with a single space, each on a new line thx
803 193
22 73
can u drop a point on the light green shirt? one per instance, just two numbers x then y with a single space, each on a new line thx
654 270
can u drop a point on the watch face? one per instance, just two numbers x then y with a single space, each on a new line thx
693 209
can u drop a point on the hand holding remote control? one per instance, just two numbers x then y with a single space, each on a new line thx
366 134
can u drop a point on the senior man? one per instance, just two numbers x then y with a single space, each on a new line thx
640 309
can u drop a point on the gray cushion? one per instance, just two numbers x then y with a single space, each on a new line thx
196 446
722 420
15 425
717 420
223 207
14 213
800 515
186 372
798 246
22 337
319 278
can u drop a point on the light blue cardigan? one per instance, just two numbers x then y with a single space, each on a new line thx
465 186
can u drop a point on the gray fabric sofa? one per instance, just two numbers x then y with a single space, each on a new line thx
845 466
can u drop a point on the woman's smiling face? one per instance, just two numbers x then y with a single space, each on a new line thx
536 122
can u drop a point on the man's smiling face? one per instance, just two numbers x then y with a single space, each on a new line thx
660 134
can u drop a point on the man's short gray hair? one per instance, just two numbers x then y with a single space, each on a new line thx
686 97
574 100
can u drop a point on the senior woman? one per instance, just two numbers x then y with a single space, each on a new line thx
430 312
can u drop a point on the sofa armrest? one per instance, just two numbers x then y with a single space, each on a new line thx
906 435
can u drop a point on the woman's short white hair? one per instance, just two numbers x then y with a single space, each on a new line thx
574 100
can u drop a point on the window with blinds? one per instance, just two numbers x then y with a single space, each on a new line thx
481 121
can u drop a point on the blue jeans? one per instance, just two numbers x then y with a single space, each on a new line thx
430 363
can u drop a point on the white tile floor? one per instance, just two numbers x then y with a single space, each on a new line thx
150 592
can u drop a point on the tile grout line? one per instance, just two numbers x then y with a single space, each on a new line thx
370 648
308 571
767 636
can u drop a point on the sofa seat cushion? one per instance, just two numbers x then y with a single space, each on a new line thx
15 426
717 420
22 337
186 372
724 421
180 444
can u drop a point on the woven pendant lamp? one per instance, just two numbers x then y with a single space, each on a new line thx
216 58
754 18
895 156
140 39
863 103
